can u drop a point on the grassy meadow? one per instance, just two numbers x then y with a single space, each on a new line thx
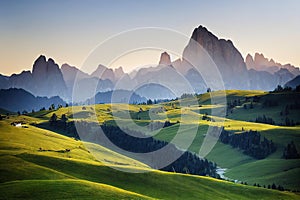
35 162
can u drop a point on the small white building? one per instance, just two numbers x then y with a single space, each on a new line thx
18 125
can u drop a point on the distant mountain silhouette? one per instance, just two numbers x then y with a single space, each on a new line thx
167 79
15 100
45 79
260 63
155 91
227 58
105 73
165 59
86 84
117 96
293 83
70 73
262 80
283 75
4 82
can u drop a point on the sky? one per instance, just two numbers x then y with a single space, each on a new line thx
69 30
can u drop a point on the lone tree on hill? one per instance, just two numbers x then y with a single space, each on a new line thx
53 119
290 152
149 102
64 120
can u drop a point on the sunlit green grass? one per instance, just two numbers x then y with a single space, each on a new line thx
64 189
29 173
25 166
190 117
268 171
282 99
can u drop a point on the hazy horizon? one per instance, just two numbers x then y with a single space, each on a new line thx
67 31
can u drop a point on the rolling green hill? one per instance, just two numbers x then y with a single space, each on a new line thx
34 164
273 169
39 158
236 163
271 105
4 112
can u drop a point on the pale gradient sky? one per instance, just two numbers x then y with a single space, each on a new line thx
68 30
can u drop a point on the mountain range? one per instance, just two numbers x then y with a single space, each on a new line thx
46 79
116 96
260 63
168 79
293 83
15 100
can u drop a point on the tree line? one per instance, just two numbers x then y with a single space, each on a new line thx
158 125
136 142
250 142
279 89
290 151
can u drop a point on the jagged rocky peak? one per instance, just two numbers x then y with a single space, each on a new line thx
51 61
103 73
41 58
250 62
101 68
201 35
47 79
225 55
70 73
119 72
272 62
249 58
222 51
165 59
204 37
261 63
260 59
41 66
66 68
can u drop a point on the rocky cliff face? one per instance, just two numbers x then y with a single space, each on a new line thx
204 59
47 78
294 82
165 59
104 73
70 73
204 53
22 80
283 76
260 63
119 73
86 85
262 80
227 58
